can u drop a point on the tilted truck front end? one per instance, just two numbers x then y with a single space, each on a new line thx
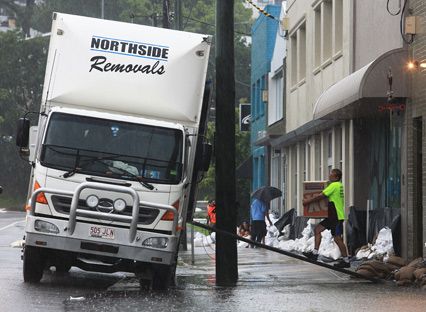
115 151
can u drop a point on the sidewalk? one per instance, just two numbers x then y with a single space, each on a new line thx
262 264
269 281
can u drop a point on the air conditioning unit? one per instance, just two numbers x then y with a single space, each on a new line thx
261 134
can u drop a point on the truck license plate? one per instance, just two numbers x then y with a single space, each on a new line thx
101 232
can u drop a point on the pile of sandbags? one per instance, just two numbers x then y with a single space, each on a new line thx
383 245
396 268
414 272
378 269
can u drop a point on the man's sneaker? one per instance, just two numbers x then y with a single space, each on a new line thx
310 255
342 264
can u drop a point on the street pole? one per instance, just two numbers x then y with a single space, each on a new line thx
154 19
178 14
226 246
166 10
102 9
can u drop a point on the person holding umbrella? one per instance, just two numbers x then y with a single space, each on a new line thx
259 210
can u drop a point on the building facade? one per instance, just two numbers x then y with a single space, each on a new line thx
347 91
264 31
275 112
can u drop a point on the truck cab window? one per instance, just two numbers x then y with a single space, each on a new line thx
109 148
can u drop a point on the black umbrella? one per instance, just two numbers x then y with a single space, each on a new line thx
266 193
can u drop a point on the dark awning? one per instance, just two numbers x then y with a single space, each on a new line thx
309 128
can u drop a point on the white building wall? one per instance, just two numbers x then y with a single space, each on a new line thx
275 111
325 29
275 77
327 57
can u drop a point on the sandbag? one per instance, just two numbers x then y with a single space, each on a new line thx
392 267
366 273
420 273
406 273
363 252
379 266
368 267
403 282
417 263
398 261
397 276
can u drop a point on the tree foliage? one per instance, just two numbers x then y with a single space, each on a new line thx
206 189
22 65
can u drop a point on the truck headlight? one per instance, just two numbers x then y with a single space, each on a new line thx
92 201
119 205
45 227
156 242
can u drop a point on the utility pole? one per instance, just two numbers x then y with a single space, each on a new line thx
178 15
166 11
226 246
154 19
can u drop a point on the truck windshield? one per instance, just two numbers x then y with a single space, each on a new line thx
113 149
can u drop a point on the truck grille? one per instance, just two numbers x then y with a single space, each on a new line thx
62 204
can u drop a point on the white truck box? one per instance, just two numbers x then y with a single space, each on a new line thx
127 68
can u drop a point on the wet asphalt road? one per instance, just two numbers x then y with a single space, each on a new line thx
267 282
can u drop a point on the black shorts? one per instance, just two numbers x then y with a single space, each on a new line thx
332 223
335 226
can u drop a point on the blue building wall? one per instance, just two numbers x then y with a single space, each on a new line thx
263 40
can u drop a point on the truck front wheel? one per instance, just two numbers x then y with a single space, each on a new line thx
34 261
163 277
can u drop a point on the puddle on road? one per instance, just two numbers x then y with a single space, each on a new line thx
193 293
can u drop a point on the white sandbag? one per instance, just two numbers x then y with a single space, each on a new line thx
384 243
287 245
328 247
363 252
303 244
209 240
201 240
198 242
382 247
242 244
285 233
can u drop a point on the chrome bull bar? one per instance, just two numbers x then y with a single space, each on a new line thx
74 211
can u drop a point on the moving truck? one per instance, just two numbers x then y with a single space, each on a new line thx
117 149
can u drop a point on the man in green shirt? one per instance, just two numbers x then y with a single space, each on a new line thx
336 216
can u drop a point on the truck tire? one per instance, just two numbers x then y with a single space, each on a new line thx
33 264
162 277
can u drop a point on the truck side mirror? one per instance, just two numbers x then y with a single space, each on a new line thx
23 135
206 156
